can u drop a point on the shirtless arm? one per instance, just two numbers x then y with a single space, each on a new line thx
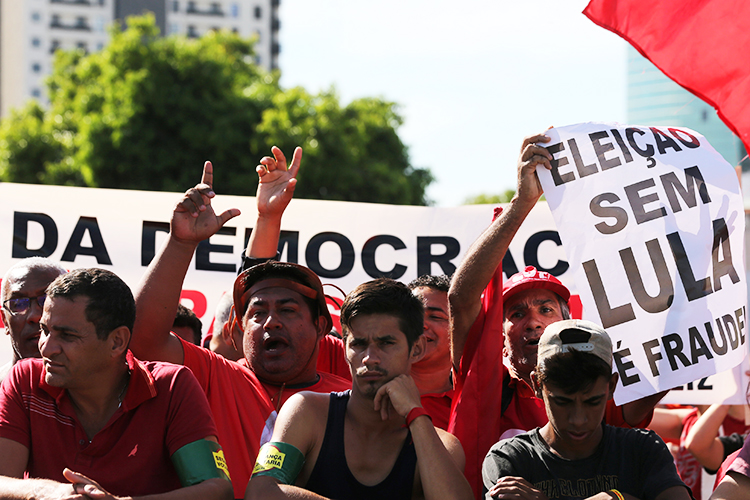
301 423
158 292
487 252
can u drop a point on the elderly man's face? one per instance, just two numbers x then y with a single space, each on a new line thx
23 326
526 315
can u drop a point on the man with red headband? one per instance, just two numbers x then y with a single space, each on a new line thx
530 301
280 307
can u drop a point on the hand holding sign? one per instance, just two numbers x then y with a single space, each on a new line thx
652 221
529 189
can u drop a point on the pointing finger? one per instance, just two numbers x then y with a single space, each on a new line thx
208 174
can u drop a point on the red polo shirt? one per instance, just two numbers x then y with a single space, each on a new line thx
240 406
163 410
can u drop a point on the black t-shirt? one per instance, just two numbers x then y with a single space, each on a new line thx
633 461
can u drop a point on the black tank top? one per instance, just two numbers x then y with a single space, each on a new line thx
331 476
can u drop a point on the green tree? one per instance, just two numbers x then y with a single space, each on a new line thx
485 199
146 111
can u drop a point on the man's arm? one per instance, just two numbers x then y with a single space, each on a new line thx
702 440
734 486
210 489
275 190
13 460
158 293
298 424
487 252
672 493
638 411
440 466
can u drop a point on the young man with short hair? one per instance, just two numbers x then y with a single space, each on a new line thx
575 455
375 441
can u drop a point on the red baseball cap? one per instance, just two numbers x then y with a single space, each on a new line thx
532 278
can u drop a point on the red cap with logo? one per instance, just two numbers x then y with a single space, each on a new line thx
532 278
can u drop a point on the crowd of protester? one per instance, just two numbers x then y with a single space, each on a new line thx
113 394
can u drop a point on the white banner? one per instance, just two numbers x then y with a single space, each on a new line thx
345 243
652 222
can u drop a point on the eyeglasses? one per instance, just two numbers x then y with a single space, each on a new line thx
22 305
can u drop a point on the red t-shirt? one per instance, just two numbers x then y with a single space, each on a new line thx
331 358
327 382
241 409
438 405
163 410
688 468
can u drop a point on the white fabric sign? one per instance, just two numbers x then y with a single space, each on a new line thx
346 243
652 222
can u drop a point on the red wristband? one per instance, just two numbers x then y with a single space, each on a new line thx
415 412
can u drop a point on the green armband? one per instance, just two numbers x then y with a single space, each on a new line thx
198 461
279 460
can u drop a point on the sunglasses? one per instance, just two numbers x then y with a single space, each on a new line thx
22 305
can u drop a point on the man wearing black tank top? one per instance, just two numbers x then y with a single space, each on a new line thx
375 441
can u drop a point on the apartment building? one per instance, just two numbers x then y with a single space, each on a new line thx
32 30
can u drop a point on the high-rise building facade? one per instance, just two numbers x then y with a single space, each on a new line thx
31 31
654 99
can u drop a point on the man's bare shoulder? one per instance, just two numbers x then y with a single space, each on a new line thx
303 413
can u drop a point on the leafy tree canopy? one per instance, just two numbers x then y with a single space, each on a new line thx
485 199
145 112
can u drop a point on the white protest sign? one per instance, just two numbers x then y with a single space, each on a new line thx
652 222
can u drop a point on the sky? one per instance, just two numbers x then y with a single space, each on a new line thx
471 78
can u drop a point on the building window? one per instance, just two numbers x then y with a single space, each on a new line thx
235 30
175 6
174 28
55 21
81 22
54 46
35 42
36 93
192 32
234 9
35 16
99 46
82 45
258 12
191 8
36 67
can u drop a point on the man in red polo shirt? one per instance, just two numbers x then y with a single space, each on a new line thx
281 352
125 427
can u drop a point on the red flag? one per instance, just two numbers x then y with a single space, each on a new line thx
696 43
475 412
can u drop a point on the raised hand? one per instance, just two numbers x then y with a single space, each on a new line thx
529 188
277 182
194 219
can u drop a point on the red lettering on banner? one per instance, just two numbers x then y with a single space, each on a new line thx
198 299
